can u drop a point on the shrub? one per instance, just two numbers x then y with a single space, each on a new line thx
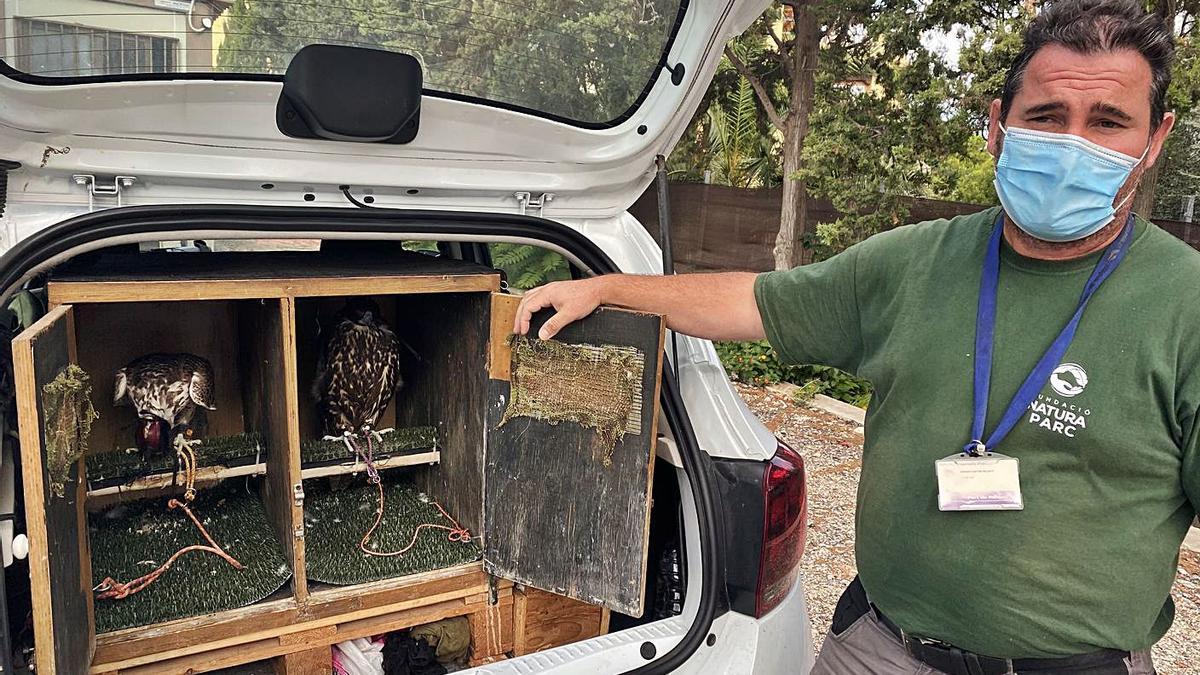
757 363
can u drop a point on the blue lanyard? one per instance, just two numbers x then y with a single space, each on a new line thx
985 326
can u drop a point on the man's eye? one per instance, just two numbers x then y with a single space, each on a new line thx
1110 124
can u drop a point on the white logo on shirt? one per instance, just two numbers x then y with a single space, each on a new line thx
1061 415
1068 380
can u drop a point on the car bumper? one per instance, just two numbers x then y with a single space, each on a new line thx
779 643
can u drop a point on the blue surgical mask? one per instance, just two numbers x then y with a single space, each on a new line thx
1059 187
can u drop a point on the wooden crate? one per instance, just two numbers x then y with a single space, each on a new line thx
251 315
544 620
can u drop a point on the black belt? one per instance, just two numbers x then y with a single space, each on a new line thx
951 659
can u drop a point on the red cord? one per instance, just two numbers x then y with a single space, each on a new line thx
115 590
458 533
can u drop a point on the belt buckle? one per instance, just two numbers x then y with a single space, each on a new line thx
958 661
911 640
932 642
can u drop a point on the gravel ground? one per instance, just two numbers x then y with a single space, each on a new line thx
832 451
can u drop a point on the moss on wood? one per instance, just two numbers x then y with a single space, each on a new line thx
597 387
67 407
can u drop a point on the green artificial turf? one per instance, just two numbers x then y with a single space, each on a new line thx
396 442
133 539
122 465
337 515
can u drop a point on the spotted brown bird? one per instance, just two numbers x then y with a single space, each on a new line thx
359 370
168 391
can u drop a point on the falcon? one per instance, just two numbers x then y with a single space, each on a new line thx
167 391
359 370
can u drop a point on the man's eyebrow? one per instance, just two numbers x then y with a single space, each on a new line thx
1112 111
1052 106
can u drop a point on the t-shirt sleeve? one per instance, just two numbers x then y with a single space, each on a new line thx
1187 416
1190 472
810 313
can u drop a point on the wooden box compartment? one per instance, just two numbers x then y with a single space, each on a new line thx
513 484
123 525
225 332
244 342
443 365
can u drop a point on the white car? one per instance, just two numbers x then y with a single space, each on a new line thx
139 122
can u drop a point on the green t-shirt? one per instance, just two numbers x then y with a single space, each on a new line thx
1110 451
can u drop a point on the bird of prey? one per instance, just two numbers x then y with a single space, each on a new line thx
168 391
359 370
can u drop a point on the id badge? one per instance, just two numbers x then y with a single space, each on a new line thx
988 483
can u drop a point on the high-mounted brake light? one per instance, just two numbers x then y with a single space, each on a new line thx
785 528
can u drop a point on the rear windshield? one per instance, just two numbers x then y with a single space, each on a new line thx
587 61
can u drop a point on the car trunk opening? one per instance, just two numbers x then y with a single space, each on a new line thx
252 312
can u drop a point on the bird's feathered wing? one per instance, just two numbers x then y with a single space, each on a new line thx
120 388
360 376
167 386
201 385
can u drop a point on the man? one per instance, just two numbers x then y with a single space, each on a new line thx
1056 330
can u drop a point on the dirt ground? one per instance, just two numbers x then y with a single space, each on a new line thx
832 450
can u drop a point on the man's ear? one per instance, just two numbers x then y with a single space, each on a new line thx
1159 137
993 139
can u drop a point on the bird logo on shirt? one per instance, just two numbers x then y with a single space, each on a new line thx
1068 380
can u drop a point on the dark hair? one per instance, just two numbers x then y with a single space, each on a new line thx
1090 26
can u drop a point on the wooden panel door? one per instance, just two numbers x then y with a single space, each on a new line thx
565 511
60 567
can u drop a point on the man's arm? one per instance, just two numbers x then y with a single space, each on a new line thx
712 306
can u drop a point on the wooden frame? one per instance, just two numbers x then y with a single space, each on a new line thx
60 574
233 276
62 293
266 312
265 631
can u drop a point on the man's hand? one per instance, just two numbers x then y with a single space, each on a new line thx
711 306
571 300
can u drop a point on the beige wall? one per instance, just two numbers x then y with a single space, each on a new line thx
129 16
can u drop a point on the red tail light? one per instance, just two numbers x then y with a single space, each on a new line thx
785 527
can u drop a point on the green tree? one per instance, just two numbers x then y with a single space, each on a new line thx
966 176
1179 179
730 140
740 154
528 266
785 62
865 106
1175 176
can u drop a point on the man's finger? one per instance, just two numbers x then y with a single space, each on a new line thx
552 326
531 303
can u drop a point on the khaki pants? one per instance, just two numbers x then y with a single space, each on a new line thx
867 647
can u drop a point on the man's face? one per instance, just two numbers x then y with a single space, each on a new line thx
1103 97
